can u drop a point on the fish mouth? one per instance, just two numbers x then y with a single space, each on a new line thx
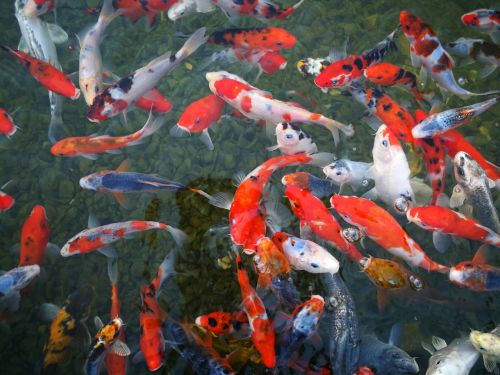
365 263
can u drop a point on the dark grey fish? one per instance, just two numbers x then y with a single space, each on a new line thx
284 289
342 322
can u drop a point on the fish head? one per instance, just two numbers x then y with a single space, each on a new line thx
272 61
471 19
443 364
352 234
399 361
65 147
35 8
276 38
79 301
338 171
38 214
298 199
311 66
109 333
412 25
386 146
27 273
298 179
468 274
345 207
292 138
484 342
181 9
218 322
91 182
336 75
468 173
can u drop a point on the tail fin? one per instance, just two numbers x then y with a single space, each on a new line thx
150 127
108 13
167 266
321 159
179 236
334 126
197 39
285 13
56 121
113 270
377 53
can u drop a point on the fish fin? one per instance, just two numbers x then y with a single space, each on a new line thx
23 45
124 166
495 36
112 263
438 343
272 148
108 252
372 121
90 156
481 256
98 323
197 39
441 241
53 250
15 249
371 194
490 363
56 123
179 236
206 140
423 76
321 159
150 127
92 221
138 357
222 200
204 6
428 347
114 152
48 312
487 71
177 131
305 231
282 321
396 334
122 199
270 129
120 348
337 54
238 178
383 299
415 60
57 34
458 197
491 183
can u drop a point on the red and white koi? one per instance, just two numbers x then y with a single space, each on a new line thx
261 9
480 50
7 126
484 20
6 201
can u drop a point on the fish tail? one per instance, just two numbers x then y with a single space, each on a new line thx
377 53
334 126
202 193
321 159
108 13
150 127
167 266
113 270
178 235
285 13
197 39
56 123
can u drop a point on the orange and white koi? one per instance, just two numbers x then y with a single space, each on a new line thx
117 97
35 235
134 10
49 76
224 323
89 147
97 238
446 221
7 126
261 9
426 51
154 101
262 329
259 105
382 228
198 117
255 38
151 341
314 217
6 201
484 20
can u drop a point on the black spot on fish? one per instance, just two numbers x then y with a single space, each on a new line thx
172 58
301 136
314 265
359 63
212 322
295 127
226 326
254 178
347 67
387 107
125 84
428 141
239 264
400 74
284 125
433 160
439 184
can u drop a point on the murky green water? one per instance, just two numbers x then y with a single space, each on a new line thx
201 285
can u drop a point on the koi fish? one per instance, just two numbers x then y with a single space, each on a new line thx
106 340
480 50
35 8
224 323
342 72
303 180
455 142
90 60
11 283
390 171
488 344
7 126
484 20
271 62
458 358
446 221
246 215
385 74
259 105
382 228
154 101
6 201
304 323
387 110
198 117
35 234
134 10
476 274
314 217
117 97
255 38
261 328
46 74
426 51
347 172
68 321
151 341
98 238
475 187
441 122
260 9
292 140
434 159
90 146
115 364
305 255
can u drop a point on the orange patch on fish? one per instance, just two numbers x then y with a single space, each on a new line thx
246 104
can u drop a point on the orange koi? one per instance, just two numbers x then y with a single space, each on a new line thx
223 323
7 126
6 201
255 38
35 235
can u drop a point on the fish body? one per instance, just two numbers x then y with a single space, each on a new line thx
488 344
182 8
443 220
319 187
342 72
305 322
258 105
484 20
476 186
90 146
224 323
93 239
14 280
90 60
35 8
46 74
458 358
7 126
151 340
342 325
261 9
261 328
35 234
154 101
291 139
441 122
306 255
69 320
426 51
390 170
480 50
352 173
6 201
117 97
382 228
315 217
255 38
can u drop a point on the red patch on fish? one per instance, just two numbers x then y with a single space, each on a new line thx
246 104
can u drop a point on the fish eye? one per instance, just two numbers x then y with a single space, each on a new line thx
335 81
338 173
385 143
468 266
289 136
461 172
279 43
452 44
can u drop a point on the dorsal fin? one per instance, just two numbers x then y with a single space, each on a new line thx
481 256
124 166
